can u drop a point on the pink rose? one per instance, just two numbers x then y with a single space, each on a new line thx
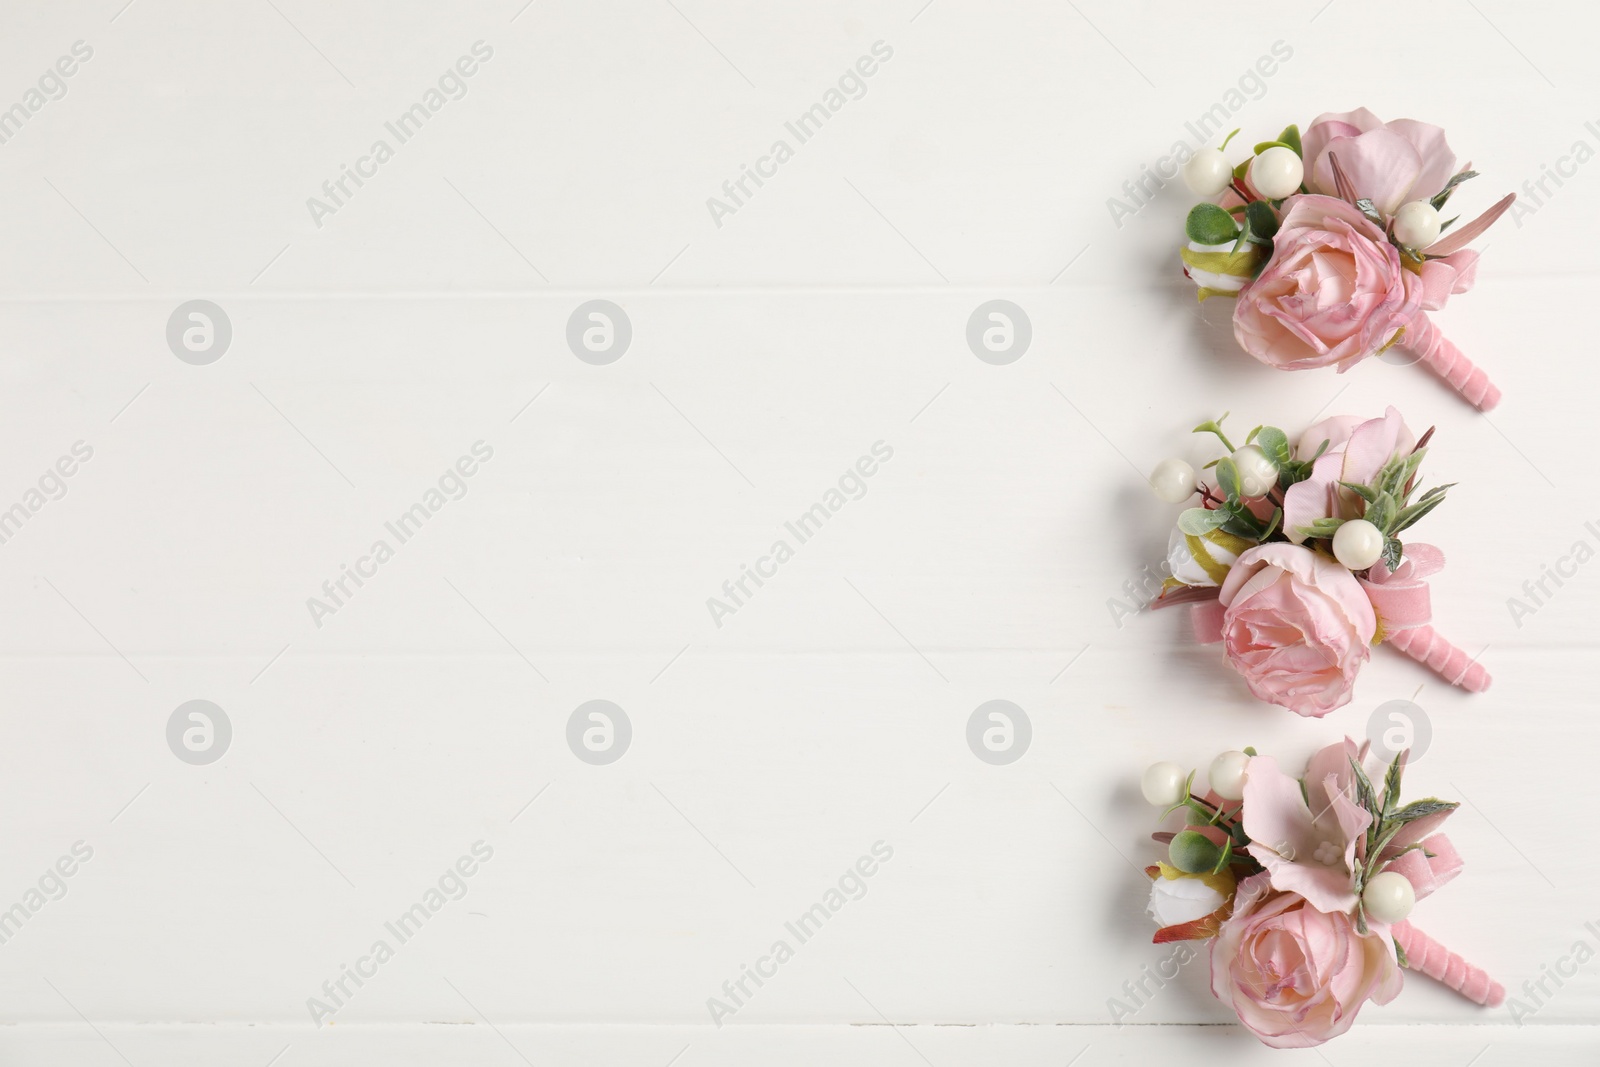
1332 293
1294 975
1357 450
1389 163
1297 625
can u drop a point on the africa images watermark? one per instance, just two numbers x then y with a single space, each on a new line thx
1537 591
1252 85
852 85
52 485
1536 192
1537 993
451 885
851 885
51 86
52 886
852 485
1139 592
452 85
1140 991
451 485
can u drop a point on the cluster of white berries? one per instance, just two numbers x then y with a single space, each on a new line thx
1388 896
1278 172
1357 544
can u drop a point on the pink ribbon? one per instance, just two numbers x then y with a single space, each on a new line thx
1425 954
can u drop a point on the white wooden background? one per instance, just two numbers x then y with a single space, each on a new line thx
767 354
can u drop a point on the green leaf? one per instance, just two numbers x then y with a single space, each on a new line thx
1393 552
1370 210
1274 444
1228 478
1214 426
1291 137
1366 493
1272 524
1209 224
1199 522
1263 220
1409 516
1381 512
1418 809
1391 782
1322 528
1449 187
1225 858
1400 954
1366 796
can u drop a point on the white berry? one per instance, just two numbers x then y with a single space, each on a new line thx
1227 775
1173 481
1416 225
1388 897
1162 784
1357 544
1257 474
1277 172
1207 173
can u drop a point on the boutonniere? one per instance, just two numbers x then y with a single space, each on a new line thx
1335 247
1304 886
1298 559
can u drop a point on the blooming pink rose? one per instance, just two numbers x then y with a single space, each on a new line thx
1307 842
1297 625
1332 293
1297 976
1389 163
1357 450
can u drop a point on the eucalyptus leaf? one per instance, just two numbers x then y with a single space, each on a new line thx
1199 521
1228 478
1370 210
1263 220
1209 224
1291 138
1274 444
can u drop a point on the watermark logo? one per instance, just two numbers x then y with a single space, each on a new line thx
599 332
51 886
851 485
999 732
199 332
850 886
738 191
199 732
999 332
1538 591
339 190
1397 725
599 732
1215 120
452 885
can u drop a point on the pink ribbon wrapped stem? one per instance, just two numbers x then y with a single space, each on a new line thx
1426 955
1448 362
1423 644
1405 610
